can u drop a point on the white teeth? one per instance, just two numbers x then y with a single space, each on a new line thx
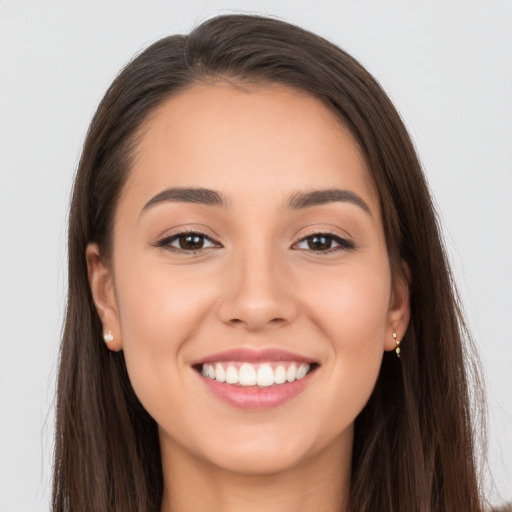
220 374
291 373
232 375
280 375
247 375
265 375
262 374
302 371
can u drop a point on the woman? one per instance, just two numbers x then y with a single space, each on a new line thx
260 311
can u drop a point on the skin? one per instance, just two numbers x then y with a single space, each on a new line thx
257 284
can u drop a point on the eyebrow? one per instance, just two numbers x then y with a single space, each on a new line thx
297 201
187 195
319 197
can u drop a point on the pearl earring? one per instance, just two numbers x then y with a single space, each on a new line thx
397 341
108 337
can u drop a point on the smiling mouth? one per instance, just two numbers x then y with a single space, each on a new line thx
255 375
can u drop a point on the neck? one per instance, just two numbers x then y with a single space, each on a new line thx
194 485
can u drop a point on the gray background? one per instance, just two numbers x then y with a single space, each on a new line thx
446 65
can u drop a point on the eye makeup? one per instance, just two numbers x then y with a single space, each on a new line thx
194 241
187 241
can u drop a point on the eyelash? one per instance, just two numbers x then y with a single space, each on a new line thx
343 243
165 243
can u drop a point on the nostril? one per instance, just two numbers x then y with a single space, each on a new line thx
273 321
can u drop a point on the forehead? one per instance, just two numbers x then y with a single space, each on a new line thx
266 140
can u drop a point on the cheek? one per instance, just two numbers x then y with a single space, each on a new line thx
352 313
357 325
357 317
351 306
159 311
159 304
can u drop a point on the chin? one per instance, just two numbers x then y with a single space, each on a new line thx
271 452
262 460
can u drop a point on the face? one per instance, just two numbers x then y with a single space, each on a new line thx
249 284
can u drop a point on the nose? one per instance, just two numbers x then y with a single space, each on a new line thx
257 293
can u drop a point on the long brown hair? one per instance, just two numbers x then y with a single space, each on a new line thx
414 443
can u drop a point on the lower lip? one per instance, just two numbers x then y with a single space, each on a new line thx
256 398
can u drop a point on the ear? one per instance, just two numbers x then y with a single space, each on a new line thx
399 312
102 289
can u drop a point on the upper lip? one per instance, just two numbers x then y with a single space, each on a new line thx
251 355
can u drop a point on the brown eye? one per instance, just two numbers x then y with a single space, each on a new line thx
187 242
324 242
319 242
191 242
